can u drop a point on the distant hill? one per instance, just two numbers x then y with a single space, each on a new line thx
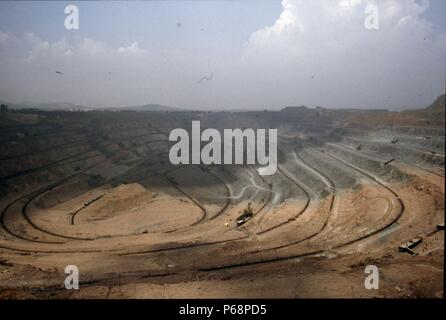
148 107
438 106
61 106
66 106
295 109
432 116
53 106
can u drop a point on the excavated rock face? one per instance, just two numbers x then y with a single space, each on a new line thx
97 189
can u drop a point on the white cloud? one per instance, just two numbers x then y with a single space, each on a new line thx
75 46
62 48
324 55
308 25
4 37
90 47
38 46
132 49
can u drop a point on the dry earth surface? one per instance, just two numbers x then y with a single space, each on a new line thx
97 190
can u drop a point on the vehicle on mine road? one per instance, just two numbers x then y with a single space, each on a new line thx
247 214
408 246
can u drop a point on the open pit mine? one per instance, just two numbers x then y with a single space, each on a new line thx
96 190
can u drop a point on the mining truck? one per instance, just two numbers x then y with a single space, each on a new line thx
247 214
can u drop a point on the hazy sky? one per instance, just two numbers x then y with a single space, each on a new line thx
248 54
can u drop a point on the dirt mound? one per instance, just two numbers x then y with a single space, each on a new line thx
123 197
